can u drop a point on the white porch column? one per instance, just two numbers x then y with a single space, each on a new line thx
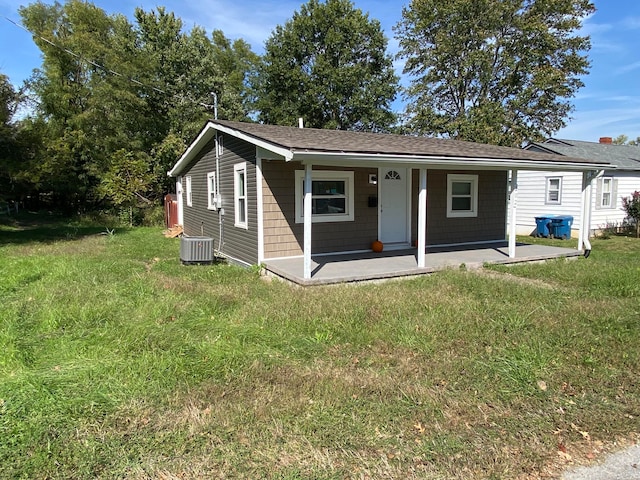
308 170
585 213
513 201
422 220
583 201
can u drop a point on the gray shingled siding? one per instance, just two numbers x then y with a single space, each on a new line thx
492 209
239 243
198 219
284 237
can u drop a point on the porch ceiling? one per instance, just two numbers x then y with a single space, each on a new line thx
369 266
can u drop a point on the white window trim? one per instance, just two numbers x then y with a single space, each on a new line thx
319 175
220 145
212 191
189 193
237 168
456 178
547 190
602 192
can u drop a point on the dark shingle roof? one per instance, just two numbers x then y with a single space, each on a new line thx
360 148
623 157
340 141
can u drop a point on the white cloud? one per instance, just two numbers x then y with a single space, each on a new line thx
251 21
627 68
592 28
592 124
632 23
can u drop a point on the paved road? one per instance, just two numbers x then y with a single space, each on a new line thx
624 465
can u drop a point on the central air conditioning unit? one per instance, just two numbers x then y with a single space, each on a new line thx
196 250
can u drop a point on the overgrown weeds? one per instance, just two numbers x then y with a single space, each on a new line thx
117 361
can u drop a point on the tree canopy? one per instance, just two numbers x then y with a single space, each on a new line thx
9 143
118 100
114 96
492 71
624 140
328 64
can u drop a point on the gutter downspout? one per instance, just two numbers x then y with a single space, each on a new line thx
219 198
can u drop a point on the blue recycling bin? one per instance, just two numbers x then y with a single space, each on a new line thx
543 222
561 226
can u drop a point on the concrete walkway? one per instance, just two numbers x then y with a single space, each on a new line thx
624 465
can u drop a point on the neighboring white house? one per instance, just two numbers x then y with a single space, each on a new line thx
559 193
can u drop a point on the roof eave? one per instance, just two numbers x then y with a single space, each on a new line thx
205 135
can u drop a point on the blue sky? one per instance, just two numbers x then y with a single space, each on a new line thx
608 105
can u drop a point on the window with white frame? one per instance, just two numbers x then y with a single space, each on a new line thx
189 195
240 194
212 191
606 192
220 145
331 196
553 192
462 195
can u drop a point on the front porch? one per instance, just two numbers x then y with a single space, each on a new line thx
368 266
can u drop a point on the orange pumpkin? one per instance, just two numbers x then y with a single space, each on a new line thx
377 246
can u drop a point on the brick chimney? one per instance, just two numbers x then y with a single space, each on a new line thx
606 140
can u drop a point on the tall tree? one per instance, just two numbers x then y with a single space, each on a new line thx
87 112
114 96
187 69
9 144
492 71
329 65
624 140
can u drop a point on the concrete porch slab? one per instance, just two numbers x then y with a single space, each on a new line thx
368 266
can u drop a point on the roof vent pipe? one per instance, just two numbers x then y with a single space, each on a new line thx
300 122
606 140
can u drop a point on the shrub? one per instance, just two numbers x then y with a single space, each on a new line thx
631 205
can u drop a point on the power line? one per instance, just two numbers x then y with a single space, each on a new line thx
108 70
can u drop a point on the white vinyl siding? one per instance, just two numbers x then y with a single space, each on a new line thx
531 199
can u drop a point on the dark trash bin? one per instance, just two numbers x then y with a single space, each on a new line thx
543 222
561 226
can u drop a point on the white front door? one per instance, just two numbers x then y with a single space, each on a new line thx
394 188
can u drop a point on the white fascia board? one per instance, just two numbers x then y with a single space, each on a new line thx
207 134
203 137
283 152
413 161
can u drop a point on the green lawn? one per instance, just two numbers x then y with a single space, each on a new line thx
116 361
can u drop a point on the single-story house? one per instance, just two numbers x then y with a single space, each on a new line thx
543 193
267 194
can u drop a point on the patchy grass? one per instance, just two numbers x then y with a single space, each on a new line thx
117 361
